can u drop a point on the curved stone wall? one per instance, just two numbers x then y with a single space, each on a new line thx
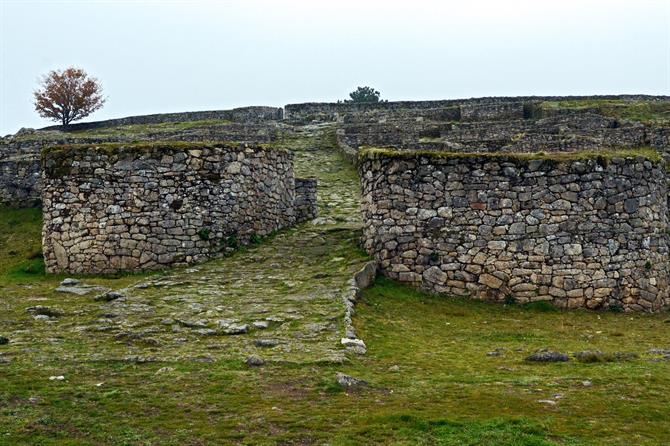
574 230
114 207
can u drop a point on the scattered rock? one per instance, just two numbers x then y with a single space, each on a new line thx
320 221
41 317
394 368
587 383
548 356
206 332
164 370
69 282
549 402
255 361
355 345
235 329
497 352
192 324
57 378
109 296
80 289
266 342
349 382
261 325
41 310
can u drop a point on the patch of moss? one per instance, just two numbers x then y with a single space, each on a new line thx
57 160
647 153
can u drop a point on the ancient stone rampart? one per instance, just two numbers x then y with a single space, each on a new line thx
242 114
305 199
577 229
450 109
20 157
19 181
115 207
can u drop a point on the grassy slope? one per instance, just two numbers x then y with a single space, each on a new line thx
448 391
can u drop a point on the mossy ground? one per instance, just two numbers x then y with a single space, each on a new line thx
647 112
129 131
559 157
153 386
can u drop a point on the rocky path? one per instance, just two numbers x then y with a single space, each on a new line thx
280 300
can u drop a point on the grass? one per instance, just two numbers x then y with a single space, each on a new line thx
447 392
447 389
647 112
116 147
129 131
21 244
604 156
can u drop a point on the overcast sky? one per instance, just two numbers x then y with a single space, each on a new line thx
162 56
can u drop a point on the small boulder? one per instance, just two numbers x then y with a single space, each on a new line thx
547 356
261 325
40 310
355 345
266 342
69 282
236 329
109 296
349 382
255 361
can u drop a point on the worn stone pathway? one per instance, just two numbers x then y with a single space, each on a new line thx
280 300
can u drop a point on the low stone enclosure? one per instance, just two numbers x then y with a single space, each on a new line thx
577 229
509 124
130 207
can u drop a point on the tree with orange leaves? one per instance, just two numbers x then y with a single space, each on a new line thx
68 95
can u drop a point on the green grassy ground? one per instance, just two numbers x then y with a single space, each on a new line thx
652 113
447 390
441 371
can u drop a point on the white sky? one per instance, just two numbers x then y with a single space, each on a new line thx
168 56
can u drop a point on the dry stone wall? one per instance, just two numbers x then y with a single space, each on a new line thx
577 232
242 114
109 208
305 199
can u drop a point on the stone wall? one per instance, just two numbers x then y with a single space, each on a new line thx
19 181
242 114
575 231
305 199
20 156
474 108
131 207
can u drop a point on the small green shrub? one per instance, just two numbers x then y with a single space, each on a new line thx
204 233
616 307
232 241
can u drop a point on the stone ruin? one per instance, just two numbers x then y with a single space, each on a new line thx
129 207
579 232
443 208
